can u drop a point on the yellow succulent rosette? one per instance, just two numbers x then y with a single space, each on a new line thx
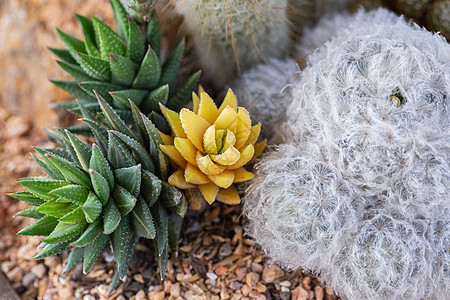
209 148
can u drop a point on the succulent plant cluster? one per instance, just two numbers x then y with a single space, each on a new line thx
210 147
114 191
358 191
121 66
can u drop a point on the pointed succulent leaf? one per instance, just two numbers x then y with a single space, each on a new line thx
120 239
83 130
162 259
137 119
160 217
74 89
129 178
75 71
72 43
87 28
30 213
159 121
100 185
151 187
136 43
92 231
52 249
181 207
43 226
183 95
113 118
142 221
63 54
93 66
100 134
75 256
118 155
128 254
154 32
114 281
170 195
171 65
123 69
175 224
73 107
67 145
121 98
159 95
74 217
65 232
111 218
149 71
92 251
72 173
73 192
138 150
99 164
82 150
28 197
55 208
92 207
121 17
102 88
40 187
51 171
108 40
125 202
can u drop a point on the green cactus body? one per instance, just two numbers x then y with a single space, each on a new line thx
438 17
230 36
122 65
412 8
112 191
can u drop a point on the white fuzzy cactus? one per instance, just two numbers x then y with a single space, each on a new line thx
233 35
265 91
360 190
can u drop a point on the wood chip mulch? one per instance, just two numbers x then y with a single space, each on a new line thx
214 261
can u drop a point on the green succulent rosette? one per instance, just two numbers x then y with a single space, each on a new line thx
122 65
114 191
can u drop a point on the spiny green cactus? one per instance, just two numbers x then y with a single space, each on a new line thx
114 190
121 66
232 35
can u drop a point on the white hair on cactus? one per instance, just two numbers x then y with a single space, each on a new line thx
266 93
372 107
233 35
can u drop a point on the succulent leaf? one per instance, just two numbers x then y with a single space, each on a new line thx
142 221
92 231
92 251
43 226
75 256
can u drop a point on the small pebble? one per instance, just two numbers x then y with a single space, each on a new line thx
271 273
39 270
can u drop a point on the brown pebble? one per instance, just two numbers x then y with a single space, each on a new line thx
235 285
257 267
224 294
175 290
246 290
299 293
28 279
306 282
261 297
254 294
207 241
319 292
252 279
240 273
220 271
271 273
261 287
39 270
15 275
139 278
